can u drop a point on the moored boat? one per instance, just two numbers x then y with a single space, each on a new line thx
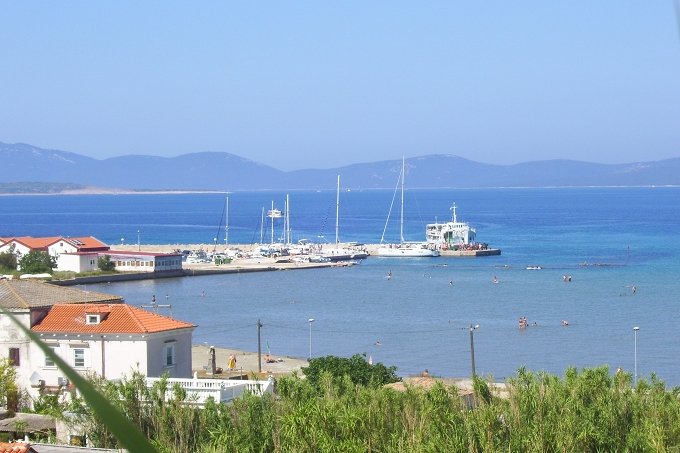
450 234
404 249
407 249
456 238
341 252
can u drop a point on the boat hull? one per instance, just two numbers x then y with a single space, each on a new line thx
407 252
347 256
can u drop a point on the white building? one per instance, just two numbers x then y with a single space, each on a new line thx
20 246
93 332
145 261
74 245
112 340
78 262
54 245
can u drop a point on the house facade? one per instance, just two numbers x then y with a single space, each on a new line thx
93 332
74 245
78 262
20 246
112 340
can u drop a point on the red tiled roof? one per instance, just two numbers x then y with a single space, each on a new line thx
16 447
116 318
34 243
84 243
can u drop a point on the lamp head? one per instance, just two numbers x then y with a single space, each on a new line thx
311 320
636 328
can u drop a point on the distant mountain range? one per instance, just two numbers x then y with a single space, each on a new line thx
219 171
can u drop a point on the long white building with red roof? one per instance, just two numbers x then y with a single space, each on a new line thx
54 245
81 254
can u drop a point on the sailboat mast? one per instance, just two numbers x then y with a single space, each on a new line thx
272 216
337 213
287 232
403 175
262 226
226 225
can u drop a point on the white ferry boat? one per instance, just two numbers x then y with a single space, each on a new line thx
447 235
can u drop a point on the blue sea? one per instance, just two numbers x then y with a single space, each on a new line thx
607 239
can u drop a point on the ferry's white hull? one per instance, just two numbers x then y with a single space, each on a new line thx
407 252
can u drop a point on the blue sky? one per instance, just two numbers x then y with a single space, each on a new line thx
324 84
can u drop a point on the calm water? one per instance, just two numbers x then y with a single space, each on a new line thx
629 236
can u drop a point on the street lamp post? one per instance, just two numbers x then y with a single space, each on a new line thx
635 331
138 246
472 347
310 321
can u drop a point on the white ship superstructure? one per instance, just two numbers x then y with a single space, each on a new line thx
450 234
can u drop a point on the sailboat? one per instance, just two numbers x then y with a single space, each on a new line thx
404 249
341 253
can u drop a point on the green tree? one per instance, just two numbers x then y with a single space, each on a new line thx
8 261
36 262
104 263
356 368
9 392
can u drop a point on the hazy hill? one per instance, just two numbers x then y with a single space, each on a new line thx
224 171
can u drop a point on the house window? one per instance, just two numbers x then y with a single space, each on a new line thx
79 357
14 358
48 361
169 354
93 319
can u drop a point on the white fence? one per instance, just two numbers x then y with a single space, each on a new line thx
221 390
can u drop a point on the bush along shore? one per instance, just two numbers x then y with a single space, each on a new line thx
349 405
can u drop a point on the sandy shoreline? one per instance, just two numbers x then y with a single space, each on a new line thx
246 362
247 368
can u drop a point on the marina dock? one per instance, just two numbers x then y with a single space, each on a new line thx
238 265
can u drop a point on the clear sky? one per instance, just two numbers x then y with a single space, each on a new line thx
322 84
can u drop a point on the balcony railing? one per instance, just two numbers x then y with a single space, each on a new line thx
221 390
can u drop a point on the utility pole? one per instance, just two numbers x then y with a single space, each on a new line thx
259 347
472 348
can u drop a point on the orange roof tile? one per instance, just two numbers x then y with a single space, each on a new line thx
90 242
121 318
83 243
16 447
34 243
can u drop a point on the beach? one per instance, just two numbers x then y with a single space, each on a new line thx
246 363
